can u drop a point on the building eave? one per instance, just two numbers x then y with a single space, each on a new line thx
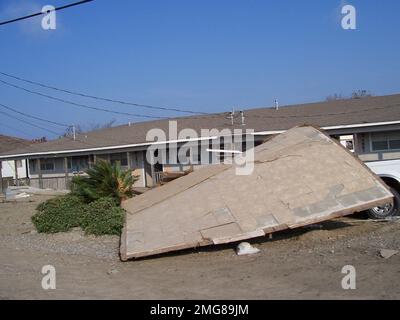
146 144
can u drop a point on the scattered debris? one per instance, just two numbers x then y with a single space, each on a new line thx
387 219
387 253
245 248
300 177
112 271
169 176
27 190
22 195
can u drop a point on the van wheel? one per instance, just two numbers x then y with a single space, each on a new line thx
386 210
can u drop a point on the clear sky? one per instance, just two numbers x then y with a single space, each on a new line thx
195 54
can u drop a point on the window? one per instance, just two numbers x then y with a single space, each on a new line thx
69 163
78 164
121 158
19 163
32 165
47 164
385 141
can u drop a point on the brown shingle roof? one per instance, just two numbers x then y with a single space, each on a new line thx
8 143
322 114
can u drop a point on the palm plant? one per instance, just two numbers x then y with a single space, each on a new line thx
104 180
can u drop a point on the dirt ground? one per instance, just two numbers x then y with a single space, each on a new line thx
304 263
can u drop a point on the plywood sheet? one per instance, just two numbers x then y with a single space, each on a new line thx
300 177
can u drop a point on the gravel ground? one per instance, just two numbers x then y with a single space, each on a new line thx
305 263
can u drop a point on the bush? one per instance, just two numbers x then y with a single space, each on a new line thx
59 214
104 180
103 216
63 213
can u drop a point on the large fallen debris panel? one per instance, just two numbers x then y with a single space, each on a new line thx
300 177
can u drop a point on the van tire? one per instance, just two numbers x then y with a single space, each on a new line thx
388 210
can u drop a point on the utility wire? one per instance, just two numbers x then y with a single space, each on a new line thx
15 129
48 130
80 104
30 123
207 115
102 98
40 13
45 129
34 117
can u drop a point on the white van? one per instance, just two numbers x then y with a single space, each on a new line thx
389 171
380 151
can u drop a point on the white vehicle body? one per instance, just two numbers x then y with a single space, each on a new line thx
386 169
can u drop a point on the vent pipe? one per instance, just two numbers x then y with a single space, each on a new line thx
74 132
242 116
231 115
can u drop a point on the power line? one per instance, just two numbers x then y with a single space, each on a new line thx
40 13
63 134
30 123
15 129
80 104
45 129
34 117
102 98
160 108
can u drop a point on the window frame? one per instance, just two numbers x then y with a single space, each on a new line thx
47 161
389 149
119 157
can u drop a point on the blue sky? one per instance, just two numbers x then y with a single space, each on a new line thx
200 55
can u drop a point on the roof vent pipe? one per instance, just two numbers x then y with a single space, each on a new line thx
74 132
242 116
231 115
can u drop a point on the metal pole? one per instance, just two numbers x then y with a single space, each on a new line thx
16 173
66 172
1 177
128 159
153 175
40 174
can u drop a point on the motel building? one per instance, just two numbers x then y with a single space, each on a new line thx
369 127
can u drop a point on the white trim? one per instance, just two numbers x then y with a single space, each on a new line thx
224 151
267 133
106 148
361 125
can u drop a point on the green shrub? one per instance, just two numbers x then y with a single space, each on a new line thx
103 216
104 180
59 214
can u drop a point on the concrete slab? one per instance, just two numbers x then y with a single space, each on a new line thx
300 177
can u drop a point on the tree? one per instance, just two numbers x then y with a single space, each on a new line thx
334 97
104 180
69 132
359 94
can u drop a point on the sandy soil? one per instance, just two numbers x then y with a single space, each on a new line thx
299 264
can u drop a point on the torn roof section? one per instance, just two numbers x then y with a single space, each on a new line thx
300 177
